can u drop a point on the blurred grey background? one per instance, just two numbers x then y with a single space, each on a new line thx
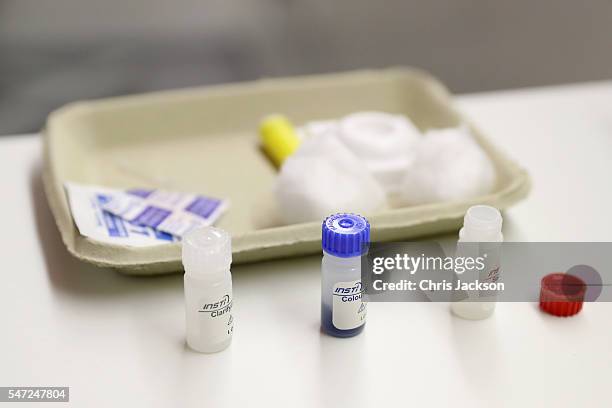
56 51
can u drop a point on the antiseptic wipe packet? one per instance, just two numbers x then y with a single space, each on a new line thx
94 222
168 211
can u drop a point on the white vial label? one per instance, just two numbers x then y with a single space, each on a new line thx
215 320
348 310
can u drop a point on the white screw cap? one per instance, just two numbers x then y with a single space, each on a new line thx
207 250
483 217
482 223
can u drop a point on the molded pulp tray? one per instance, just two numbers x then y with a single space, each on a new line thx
205 141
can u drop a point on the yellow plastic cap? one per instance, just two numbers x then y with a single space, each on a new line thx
278 138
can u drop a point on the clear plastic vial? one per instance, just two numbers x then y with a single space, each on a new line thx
207 255
481 224
345 238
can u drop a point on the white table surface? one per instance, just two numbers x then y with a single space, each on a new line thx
118 340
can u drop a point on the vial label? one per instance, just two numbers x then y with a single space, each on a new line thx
348 310
491 271
215 315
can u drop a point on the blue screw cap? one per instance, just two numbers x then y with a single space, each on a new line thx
345 235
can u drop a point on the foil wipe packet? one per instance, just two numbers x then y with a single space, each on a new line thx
172 212
86 204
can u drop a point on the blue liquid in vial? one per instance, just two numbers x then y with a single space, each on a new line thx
327 325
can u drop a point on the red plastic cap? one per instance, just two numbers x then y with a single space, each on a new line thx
562 294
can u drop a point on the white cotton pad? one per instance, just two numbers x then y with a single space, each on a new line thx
383 141
448 165
319 127
323 177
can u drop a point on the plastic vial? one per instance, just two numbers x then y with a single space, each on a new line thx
481 224
207 255
345 238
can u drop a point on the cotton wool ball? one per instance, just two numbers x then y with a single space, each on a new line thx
384 142
378 135
328 145
449 165
323 177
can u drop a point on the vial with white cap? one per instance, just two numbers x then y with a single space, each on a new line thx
481 224
345 238
207 255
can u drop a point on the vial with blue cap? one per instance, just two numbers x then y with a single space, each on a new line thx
345 238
